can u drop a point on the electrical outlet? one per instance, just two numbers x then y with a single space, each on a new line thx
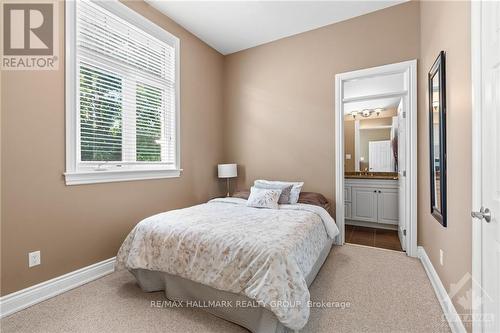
441 255
34 258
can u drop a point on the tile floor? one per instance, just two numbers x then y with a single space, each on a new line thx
383 238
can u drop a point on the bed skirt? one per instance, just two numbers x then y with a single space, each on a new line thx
257 319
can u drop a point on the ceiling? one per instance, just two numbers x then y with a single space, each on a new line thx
231 26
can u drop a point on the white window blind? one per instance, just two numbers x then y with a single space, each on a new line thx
125 94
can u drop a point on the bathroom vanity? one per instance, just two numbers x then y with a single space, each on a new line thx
371 201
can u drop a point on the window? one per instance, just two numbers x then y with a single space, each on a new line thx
122 79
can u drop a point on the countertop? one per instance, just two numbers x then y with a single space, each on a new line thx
372 175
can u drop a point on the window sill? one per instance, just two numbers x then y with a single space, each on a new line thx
94 177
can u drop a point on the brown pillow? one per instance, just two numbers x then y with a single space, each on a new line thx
313 198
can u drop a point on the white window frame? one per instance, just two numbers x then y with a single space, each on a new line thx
75 175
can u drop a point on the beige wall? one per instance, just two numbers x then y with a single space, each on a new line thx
279 97
75 226
279 120
446 26
275 117
349 144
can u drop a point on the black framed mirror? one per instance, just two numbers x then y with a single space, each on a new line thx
437 137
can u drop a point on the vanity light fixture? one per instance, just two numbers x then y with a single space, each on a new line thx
367 112
435 106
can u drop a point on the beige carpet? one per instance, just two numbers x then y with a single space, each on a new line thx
387 292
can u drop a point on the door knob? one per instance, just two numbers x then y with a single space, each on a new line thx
484 213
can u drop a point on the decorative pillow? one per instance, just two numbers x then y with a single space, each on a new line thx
313 198
294 194
285 191
263 198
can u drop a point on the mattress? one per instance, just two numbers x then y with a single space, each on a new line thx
229 306
265 255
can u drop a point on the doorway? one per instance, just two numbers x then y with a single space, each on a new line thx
375 123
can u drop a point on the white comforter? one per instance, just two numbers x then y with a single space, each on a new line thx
264 254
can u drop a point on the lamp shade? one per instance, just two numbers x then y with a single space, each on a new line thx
227 170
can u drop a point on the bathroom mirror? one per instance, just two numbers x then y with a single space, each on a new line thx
370 138
437 138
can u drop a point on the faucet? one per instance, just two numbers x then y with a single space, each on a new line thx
364 172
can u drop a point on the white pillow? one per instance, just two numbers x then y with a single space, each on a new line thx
286 190
263 198
294 194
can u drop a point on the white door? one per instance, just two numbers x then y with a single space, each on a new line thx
388 206
489 108
364 204
401 174
380 156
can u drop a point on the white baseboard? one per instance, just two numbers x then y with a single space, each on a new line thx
22 299
449 310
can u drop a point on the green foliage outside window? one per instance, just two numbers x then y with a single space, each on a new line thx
101 125
100 115
148 123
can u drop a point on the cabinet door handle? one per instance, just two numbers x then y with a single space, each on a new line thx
379 191
375 191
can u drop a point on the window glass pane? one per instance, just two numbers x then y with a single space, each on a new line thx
100 115
126 92
148 123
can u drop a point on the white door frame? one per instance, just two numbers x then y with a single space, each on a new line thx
409 94
477 325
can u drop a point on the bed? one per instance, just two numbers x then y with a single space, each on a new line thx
247 265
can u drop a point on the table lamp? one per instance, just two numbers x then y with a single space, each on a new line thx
227 171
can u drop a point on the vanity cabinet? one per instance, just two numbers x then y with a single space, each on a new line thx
387 209
347 202
374 201
364 204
